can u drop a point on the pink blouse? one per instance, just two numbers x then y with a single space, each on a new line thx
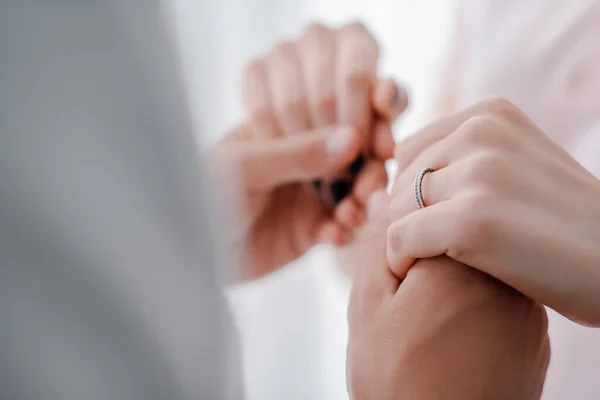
544 56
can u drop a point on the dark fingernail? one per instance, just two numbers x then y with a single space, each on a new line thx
339 189
399 97
356 165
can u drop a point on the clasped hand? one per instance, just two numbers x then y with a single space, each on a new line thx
504 199
432 313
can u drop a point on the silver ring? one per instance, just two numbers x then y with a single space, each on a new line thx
419 187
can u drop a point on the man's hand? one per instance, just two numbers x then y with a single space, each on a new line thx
280 217
328 76
316 112
445 332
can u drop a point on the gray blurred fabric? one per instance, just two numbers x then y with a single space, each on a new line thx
107 281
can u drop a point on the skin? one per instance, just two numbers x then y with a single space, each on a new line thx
506 200
298 96
446 331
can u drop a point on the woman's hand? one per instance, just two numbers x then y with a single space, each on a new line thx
446 331
504 199
316 112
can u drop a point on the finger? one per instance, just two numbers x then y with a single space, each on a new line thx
297 158
389 99
372 178
287 88
475 134
316 48
383 140
409 149
348 214
436 187
332 233
374 282
257 101
498 110
356 69
422 234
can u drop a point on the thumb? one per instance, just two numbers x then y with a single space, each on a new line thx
390 99
299 158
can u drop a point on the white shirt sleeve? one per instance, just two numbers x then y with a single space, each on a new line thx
107 287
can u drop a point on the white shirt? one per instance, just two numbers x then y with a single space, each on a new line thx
107 287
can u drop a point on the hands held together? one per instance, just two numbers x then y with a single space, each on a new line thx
433 312
503 201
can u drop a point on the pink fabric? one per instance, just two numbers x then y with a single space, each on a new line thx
544 56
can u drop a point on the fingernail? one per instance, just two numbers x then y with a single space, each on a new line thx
338 142
339 189
399 102
356 165
399 97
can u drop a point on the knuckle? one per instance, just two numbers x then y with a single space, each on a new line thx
359 81
280 55
485 169
254 70
315 33
323 110
476 131
317 49
497 105
282 48
474 228
501 108
353 29
358 34
487 131
293 108
326 104
262 117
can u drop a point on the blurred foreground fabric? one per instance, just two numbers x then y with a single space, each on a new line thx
293 324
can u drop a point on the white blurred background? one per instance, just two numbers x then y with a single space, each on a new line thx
293 324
